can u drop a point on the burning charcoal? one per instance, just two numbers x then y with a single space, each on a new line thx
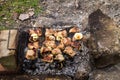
66 41
60 46
48 58
59 57
50 44
77 36
68 50
31 55
56 51
74 30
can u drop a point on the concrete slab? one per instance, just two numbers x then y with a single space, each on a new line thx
4 45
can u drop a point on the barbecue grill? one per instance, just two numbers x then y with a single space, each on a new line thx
70 67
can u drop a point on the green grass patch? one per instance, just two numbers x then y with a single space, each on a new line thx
8 7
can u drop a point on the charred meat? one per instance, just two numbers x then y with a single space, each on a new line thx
59 57
48 58
50 44
74 30
31 55
69 50
61 46
55 45
60 35
66 41
56 51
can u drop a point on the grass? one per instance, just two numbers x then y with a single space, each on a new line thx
8 7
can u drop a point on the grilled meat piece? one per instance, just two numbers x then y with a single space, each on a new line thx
55 42
50 44
37 31
69 50
66 41
77 36
48 58
34 34
74 30
56 51
60 35
31 55
59 57
61 46
33 37
50 38
63 33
